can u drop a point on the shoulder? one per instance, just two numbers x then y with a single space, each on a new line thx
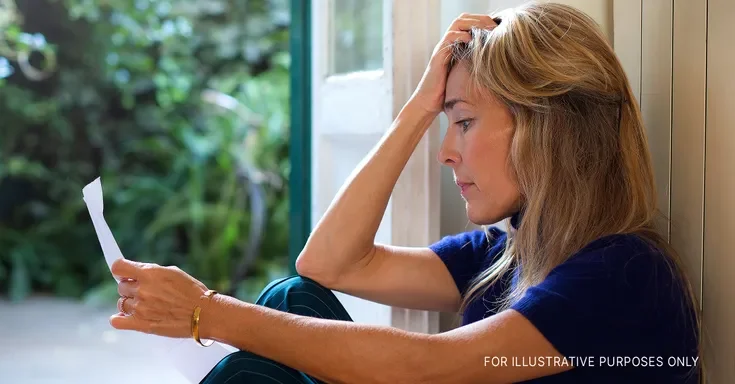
616 294
625 259
618 275
613 248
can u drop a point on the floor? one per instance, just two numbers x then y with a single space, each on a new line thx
50 341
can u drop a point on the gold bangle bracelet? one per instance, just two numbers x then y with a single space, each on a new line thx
195 320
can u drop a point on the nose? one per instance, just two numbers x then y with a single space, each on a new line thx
448 153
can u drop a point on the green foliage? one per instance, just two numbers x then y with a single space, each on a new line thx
180 106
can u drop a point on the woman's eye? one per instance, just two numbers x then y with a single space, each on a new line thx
464 124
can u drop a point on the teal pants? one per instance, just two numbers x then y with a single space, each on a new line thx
294 294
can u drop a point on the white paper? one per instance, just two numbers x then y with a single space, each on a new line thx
92 195
193 361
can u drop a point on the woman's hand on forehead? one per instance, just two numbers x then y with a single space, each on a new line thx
429 94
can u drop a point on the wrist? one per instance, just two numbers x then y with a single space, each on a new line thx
417 115
418 108
212 309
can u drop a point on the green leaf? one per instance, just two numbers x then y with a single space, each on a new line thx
20 166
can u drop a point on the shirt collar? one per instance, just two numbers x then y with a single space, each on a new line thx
515 220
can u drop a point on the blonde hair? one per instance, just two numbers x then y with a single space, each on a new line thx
579 142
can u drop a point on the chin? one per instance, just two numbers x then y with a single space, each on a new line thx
482 217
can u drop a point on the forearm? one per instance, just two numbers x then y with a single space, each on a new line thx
330 350
347 230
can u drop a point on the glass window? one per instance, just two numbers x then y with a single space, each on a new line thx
356 36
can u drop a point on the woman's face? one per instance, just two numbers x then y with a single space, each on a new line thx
476 147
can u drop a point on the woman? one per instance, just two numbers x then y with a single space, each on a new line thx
544 131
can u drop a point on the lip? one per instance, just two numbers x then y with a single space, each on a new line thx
463 187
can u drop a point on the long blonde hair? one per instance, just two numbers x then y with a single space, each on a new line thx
579 152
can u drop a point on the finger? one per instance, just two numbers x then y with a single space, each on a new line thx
487 20
127 323
465 24
446 46
127 269
128 288
476 21
483 17
120 303
126 305
458 36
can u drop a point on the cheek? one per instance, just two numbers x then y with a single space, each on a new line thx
488 161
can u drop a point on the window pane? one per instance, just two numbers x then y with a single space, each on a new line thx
356 36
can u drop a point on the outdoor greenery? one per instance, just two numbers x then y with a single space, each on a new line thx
180 106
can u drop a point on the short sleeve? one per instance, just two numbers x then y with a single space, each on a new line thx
605 299
468 253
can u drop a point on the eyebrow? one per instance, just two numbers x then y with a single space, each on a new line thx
449 104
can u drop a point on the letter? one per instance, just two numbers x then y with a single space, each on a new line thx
486 357
561 362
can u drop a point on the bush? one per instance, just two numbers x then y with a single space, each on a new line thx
180 106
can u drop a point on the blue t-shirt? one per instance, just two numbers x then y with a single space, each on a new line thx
615 309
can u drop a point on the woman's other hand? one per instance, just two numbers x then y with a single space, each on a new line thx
155 299
429 94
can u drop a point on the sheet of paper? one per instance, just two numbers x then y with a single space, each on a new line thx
194 362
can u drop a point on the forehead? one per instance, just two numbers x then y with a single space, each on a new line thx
458 83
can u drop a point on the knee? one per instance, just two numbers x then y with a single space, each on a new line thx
281 288
302 296
243 366
224 369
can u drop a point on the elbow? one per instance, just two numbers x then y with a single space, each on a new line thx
308 262
310 267
305 265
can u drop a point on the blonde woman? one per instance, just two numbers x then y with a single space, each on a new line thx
544 132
